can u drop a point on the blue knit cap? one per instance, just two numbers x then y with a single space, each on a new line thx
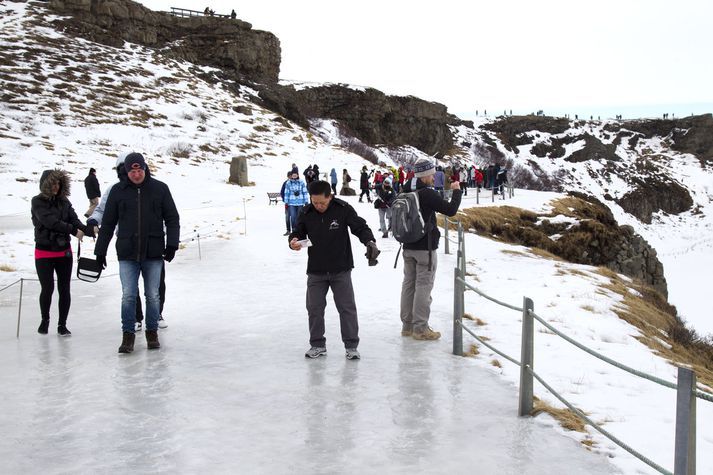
424 167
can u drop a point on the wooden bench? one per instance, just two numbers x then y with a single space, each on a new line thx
273 197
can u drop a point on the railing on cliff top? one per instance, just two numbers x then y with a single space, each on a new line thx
685 432
184 12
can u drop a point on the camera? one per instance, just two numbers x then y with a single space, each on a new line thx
297 193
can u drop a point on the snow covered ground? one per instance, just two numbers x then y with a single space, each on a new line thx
230 390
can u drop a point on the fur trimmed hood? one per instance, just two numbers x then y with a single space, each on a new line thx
55 176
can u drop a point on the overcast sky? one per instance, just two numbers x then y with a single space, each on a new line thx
516 54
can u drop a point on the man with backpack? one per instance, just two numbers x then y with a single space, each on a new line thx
413 223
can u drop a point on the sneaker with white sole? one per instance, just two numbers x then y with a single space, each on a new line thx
316 352
353 354
161 322
139 326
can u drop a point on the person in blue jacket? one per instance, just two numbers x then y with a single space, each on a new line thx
296 197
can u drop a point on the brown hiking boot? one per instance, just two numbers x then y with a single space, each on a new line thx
427 334
152 340
127 343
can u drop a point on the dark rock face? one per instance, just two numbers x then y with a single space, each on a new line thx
380 119
599 240
231 45
512 131
689 135
594 149
651 196
368 114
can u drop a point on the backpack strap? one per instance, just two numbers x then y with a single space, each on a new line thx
397 256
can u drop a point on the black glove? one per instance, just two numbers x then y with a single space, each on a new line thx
91 223
89 231
372 252
101 260
169 254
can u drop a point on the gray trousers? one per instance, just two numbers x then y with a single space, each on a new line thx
341 284
384 215
416 289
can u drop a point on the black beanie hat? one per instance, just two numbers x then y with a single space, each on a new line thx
133 161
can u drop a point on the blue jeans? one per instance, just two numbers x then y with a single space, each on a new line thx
294 211
129 275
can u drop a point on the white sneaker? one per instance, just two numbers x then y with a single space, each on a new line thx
353 354
315 352
139 326
161 322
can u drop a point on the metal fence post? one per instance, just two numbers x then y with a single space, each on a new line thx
526 358
198 238
492 194
448 247
19 309
461 245
685 452
457 314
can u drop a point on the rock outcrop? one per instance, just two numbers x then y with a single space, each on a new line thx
654 195
595 239
231 45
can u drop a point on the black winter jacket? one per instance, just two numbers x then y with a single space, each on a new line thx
331 249
431 202
141 211
91 185
53 217
386 195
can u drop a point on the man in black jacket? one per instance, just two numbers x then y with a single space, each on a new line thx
91 185
327 222
420 259
141 206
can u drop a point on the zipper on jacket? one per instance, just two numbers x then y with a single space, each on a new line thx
138 247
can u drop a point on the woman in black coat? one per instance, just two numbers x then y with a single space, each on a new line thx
54 220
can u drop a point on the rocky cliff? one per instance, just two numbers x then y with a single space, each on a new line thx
370 115
231 45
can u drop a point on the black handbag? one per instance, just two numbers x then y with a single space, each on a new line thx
88 270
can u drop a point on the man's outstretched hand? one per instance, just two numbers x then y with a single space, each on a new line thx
372 252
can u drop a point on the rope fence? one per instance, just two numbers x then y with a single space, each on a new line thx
196 237
687 393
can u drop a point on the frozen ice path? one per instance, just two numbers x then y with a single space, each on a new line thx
231 392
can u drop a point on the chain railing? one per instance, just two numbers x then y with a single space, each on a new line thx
687 393
192 236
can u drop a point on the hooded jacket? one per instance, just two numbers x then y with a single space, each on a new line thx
431 202
91 185
331 249
53 217
140 211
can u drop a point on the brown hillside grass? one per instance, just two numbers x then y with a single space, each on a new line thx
650 313
567 419
657 321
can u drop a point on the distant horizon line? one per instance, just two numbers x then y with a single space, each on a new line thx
648 111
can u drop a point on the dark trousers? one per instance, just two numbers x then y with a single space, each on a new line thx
334 188
161 296
365 192
46 268
341 285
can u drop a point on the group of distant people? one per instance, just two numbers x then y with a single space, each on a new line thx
140 209
209 12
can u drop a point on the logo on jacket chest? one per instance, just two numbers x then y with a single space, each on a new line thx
334 225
